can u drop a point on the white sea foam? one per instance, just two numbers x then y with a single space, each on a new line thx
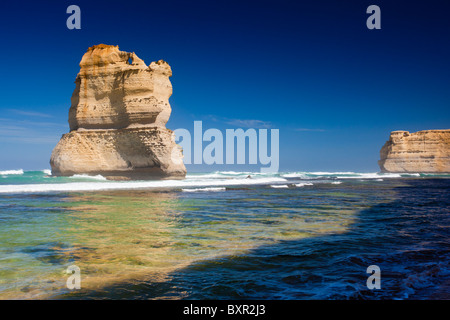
279 186
204 189
350 175
322 173
86 176
343 175
8 172
375 175
299 185
203 176
293 175
245 173
116 185
84 182
233 172
47 171
226 175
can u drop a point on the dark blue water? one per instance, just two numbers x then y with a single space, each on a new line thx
308 243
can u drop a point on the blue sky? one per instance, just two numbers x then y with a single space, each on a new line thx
311 69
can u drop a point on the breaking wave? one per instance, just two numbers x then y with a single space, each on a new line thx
279 186
8 172
350 175
18 181
156 184
299 185
204 189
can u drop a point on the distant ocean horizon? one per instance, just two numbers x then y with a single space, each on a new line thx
225 235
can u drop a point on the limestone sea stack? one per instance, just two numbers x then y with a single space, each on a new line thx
117 120
425 151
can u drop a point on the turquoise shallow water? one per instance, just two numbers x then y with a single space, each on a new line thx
222 236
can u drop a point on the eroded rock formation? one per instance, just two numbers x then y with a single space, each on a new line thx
425 151
117 119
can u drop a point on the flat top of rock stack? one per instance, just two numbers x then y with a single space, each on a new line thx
117 119
422 131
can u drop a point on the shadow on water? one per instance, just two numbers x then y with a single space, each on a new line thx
407 237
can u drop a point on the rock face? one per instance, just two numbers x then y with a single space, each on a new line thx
425 151
117 119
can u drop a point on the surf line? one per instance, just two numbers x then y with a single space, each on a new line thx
213 153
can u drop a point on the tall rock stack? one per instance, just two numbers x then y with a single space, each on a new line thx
117 120
425 151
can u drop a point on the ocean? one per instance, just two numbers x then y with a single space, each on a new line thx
225 235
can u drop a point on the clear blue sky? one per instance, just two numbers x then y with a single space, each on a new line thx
311 69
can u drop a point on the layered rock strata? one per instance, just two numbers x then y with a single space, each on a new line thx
425 151
117 120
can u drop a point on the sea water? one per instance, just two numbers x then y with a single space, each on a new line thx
225 235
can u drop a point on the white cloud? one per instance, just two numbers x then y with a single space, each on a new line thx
29 132
30 113
249 123
243 123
